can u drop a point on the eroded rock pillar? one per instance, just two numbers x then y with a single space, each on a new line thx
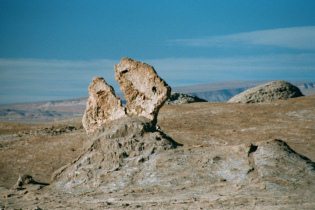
145 92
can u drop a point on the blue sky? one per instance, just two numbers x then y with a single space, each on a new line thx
52 49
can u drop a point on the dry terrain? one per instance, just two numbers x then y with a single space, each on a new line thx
229 160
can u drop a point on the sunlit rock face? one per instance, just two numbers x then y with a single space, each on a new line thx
144 90
102 106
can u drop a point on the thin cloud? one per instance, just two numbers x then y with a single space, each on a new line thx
301 38
101 63
37 80
230 68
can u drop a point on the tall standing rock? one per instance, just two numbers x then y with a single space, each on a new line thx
102 106
145 92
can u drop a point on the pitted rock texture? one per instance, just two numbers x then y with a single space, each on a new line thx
144 90
102 106
268 92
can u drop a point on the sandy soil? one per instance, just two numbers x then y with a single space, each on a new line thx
231 124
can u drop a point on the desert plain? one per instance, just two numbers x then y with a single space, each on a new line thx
231 156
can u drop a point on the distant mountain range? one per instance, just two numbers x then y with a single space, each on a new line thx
220 92
56 110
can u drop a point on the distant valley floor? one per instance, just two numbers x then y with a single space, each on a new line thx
65 109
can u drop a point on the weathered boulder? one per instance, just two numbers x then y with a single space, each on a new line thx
268 92
102 106
181 98
145 92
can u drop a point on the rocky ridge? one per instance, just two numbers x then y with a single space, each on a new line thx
168 178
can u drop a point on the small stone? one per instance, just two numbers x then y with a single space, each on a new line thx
23 180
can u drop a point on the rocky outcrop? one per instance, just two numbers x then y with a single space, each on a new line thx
143 163
120 136
145 92
181 98
269 92
126 142
102 106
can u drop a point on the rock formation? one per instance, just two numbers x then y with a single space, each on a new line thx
144 90
181 98
121 136
141 165
102 106
126 142
268 92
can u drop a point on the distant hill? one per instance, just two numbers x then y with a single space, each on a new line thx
55 110
268 92
220 92
42 111
307 88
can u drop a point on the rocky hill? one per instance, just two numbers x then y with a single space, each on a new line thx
268 92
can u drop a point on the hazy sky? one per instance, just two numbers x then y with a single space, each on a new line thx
51 49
